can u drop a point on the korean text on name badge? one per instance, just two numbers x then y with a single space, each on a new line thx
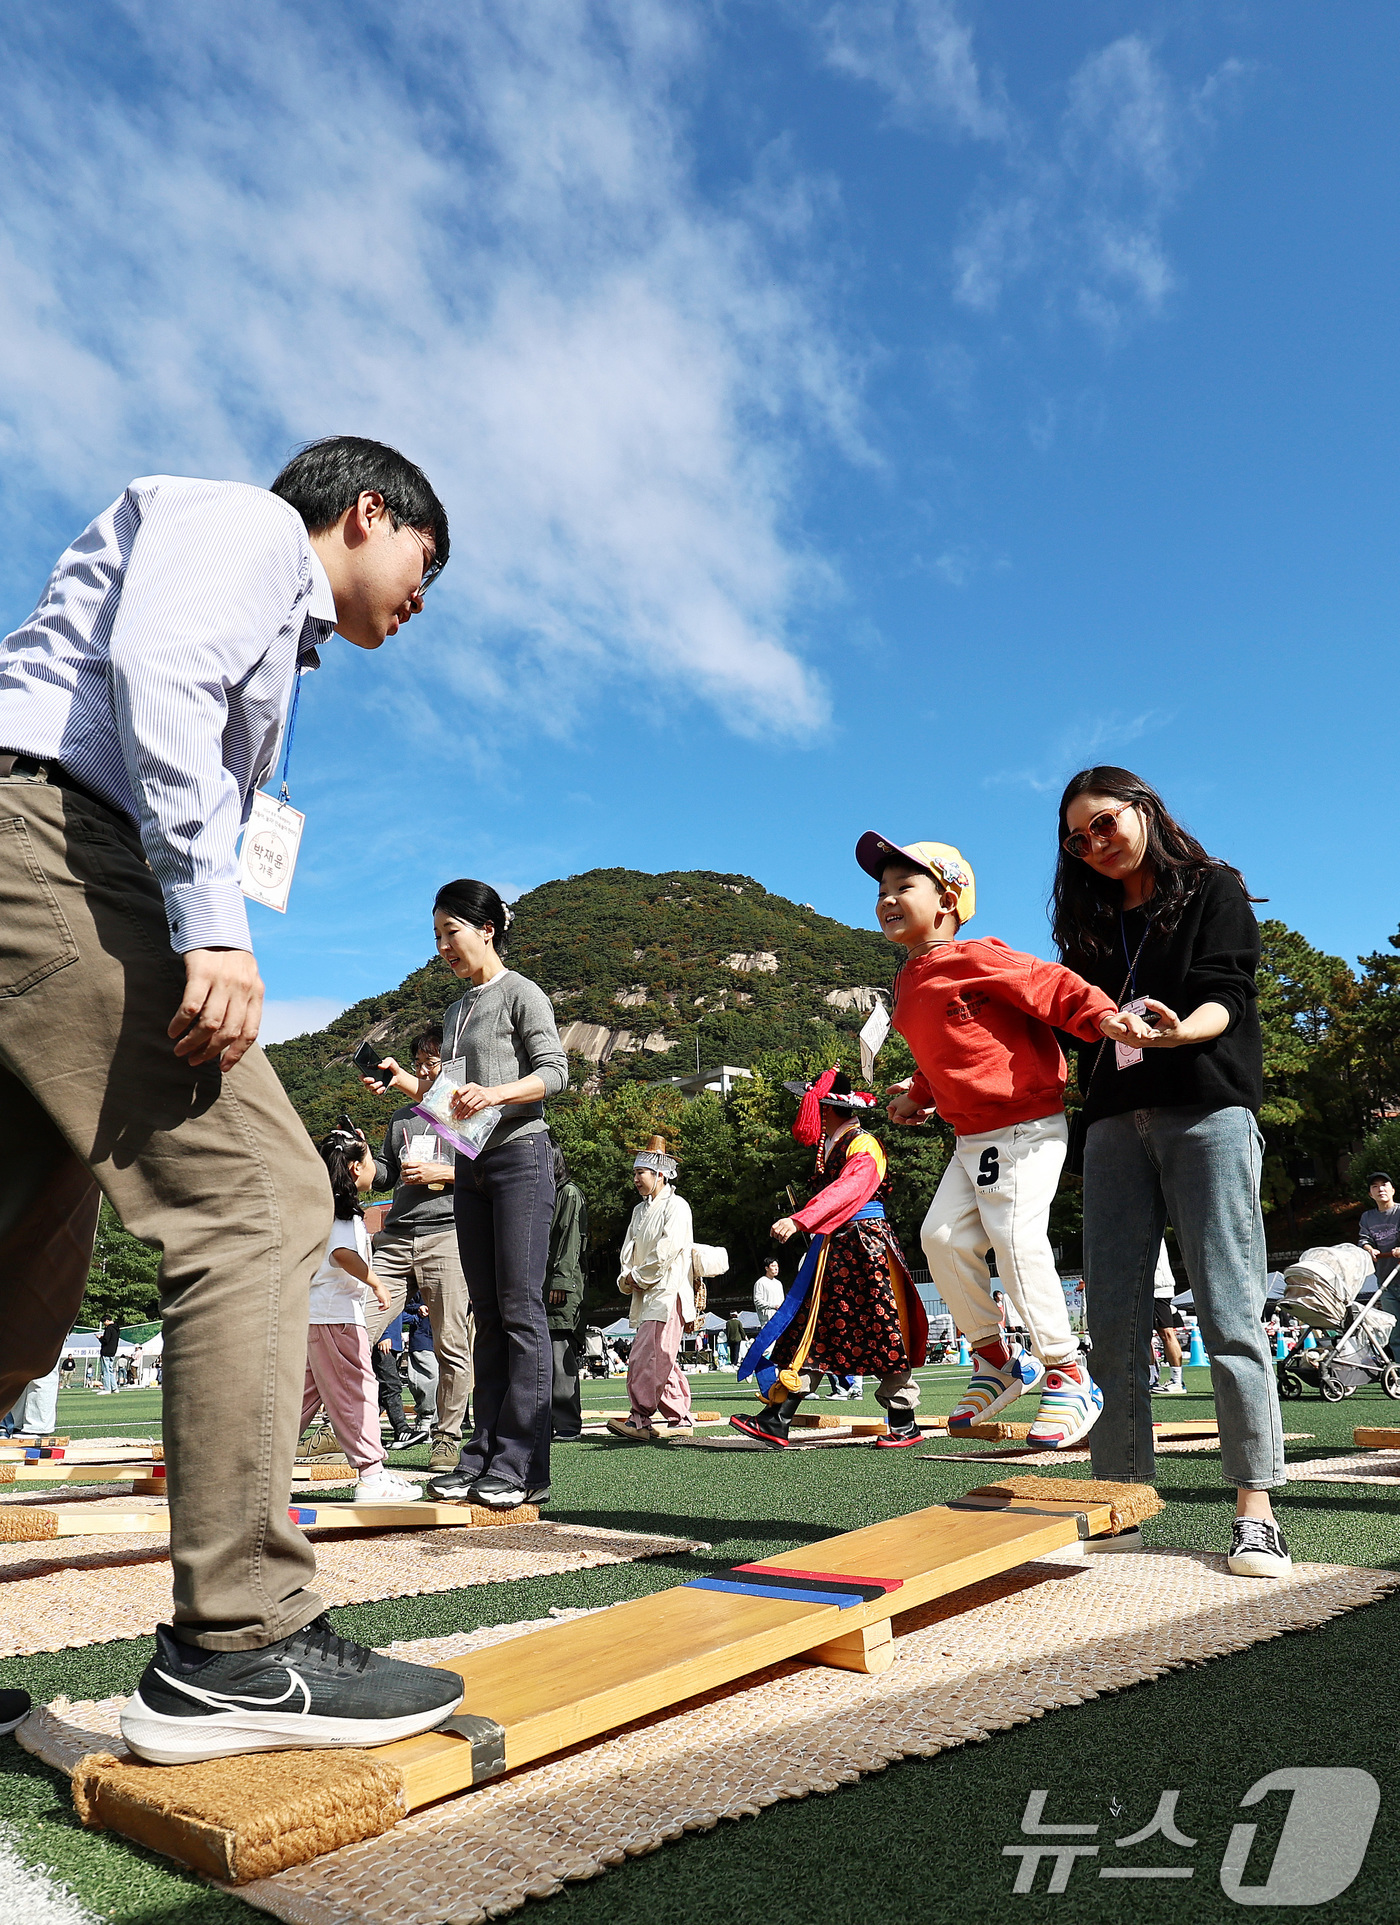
1124 1052
269 855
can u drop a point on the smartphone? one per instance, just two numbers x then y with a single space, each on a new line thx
366 1061
352 1128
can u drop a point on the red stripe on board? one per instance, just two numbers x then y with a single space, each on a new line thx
831 1577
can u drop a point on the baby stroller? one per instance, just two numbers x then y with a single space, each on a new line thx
1320 1290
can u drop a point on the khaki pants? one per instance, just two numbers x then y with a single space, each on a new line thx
216 1170
430 1259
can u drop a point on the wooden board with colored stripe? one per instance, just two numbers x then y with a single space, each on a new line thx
26 1523
577 1680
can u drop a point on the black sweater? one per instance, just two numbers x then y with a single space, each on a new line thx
1210 957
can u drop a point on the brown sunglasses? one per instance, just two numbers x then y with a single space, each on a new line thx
1102 828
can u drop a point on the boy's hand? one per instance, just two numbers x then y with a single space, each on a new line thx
900 1109
1121 1027
783 1229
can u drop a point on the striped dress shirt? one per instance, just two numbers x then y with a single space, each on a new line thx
158 669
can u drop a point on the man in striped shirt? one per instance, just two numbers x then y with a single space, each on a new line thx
141 705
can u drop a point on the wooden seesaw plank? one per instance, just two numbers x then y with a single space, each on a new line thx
1375 1437
29 1523
553 1688
577 1680
70 1473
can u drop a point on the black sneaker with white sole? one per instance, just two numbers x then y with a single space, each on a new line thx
15 1707
453 1486
305 1692
411 1435
1257 1549
497 1493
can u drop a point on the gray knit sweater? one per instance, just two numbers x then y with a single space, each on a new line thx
505 1030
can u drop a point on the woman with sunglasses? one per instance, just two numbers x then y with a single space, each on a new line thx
1142 911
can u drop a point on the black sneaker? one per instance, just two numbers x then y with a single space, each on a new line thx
497 1493
767 1428
406 1439
15 1707
453 1486
538 1494
1257 1549
899 1436
305 1692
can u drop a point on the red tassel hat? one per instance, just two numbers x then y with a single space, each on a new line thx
831 1090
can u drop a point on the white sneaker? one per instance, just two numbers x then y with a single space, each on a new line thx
1171 1390
383 1487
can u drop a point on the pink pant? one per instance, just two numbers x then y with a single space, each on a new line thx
656 1383
338 1375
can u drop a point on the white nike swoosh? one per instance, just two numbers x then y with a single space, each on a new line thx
222 1699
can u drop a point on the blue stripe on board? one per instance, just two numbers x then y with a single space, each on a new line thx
842 1599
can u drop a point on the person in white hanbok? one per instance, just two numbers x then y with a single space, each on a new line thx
655 1273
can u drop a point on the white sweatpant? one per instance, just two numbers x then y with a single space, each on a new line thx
997 1190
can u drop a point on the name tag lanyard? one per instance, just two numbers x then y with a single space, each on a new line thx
273 835
1124 1053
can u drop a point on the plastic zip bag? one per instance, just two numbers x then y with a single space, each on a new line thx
467 1135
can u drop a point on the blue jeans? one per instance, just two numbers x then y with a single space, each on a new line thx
109 1373
1200 1168
504 1204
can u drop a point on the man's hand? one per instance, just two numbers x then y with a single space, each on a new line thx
221 1009
555 1298
783 1229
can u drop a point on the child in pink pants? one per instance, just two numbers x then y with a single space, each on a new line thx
338 1372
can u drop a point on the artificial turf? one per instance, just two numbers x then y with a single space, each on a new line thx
923 1839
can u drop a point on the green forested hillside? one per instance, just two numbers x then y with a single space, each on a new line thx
624 950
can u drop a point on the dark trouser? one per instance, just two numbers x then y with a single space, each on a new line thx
386 1372
504 1203
216 1170
568 1399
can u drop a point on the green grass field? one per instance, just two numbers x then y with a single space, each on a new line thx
922 1840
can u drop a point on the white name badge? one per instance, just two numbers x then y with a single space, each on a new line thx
872 1040
1124 1052
269 856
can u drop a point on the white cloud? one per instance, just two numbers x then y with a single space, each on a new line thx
473 233
297 1016
1080 747
920 53
1086 209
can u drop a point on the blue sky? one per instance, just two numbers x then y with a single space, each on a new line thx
850 415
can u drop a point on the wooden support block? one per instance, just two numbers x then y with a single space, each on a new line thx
870 1428
1200 1427
870 1650
813 1420
1375 1437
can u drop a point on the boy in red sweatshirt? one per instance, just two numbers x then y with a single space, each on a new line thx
978 1018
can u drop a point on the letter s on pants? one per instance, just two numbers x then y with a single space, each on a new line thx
1324 1837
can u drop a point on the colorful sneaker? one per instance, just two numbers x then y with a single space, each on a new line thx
993 1387
900 1436
1257 1549
1070 1406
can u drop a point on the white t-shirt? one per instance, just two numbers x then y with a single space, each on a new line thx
768 1294
336 1296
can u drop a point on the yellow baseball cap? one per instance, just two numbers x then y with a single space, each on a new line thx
942 861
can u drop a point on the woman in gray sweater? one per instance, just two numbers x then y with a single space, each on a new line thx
504 1030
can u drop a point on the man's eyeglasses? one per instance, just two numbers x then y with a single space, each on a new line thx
432 567
1102 828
